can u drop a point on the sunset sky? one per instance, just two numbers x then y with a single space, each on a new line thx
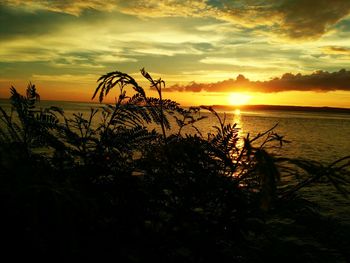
287 52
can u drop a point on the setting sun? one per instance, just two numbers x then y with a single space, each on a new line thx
238 98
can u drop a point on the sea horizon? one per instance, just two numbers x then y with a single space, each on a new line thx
230 107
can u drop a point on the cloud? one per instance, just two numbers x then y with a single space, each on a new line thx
288 18
320 81
294 19
110 58
22 54
75 7
238 62
83 79
309 18
16 23
336 50
167 8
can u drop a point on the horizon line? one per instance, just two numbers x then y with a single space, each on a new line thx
214 105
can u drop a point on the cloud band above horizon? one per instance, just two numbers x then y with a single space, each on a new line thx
318 81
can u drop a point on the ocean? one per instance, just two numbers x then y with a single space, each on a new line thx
320 136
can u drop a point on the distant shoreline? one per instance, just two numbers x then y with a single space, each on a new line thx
282 108
241 107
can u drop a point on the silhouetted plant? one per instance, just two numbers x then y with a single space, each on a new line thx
30 126
138 187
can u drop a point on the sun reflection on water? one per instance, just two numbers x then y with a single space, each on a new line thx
238 120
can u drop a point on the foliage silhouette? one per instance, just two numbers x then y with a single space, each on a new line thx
137 187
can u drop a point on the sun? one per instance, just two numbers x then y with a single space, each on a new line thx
237 99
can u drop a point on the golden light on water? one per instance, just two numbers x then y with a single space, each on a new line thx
238 120
238 98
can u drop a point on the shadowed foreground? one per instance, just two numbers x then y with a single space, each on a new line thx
124 190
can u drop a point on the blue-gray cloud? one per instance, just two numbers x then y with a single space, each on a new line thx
319 81
18 22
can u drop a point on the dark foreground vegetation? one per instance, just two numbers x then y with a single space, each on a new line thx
71 189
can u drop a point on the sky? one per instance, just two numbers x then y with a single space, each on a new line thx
285 52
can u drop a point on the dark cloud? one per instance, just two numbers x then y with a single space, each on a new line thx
319 81
21 23
310 18
294 19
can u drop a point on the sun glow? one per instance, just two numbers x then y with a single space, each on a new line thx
238 99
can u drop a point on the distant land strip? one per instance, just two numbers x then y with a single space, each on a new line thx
226 107
281 108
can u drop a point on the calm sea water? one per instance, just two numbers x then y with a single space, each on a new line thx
322 137
312 135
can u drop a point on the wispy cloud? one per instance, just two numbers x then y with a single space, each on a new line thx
291 19
241 62
287 18
71 7
337 50
83 79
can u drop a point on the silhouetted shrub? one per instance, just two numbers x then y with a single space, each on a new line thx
137 188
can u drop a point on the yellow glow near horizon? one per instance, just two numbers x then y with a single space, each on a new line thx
238 98
291 98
